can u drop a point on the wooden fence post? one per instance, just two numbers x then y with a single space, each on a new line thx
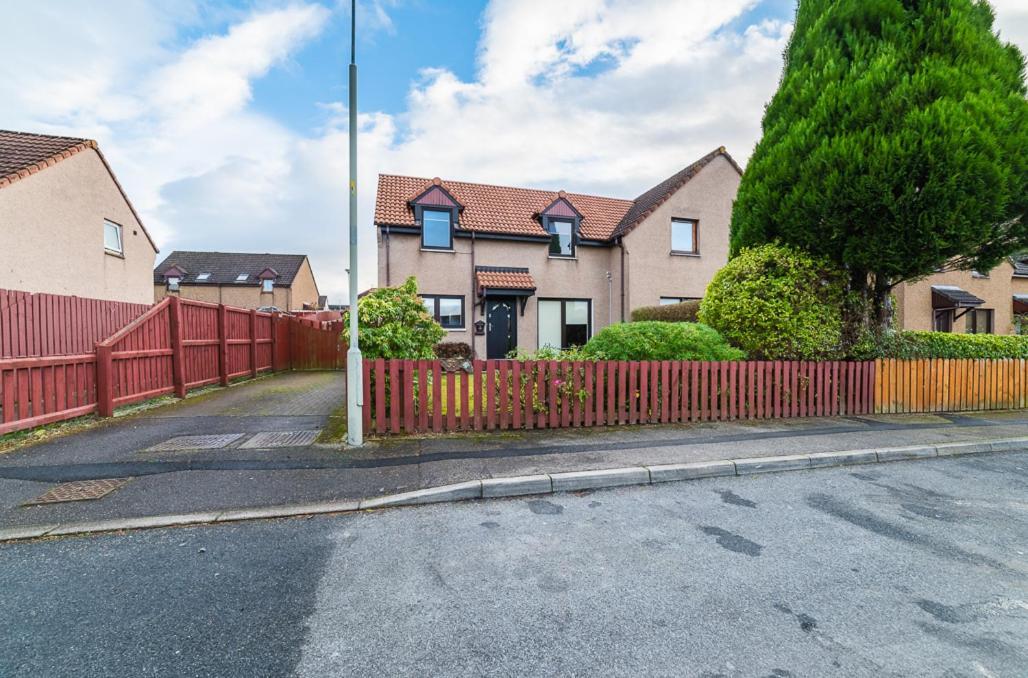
178 366
105 380
253 343
222 345
274 343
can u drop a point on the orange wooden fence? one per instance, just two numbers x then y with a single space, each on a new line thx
175 346
417 396
950 385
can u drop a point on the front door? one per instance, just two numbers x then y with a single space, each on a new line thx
501 336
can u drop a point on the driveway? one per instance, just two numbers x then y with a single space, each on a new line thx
903 569
266 419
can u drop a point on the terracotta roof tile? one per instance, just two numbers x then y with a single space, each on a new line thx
504 209
498 277
496 209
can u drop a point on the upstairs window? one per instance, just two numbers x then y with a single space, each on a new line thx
436 229
112 238
684 236
562 238
173 282
203 277
242 277
267 285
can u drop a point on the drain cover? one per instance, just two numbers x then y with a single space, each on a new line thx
281 439
208 442
79 490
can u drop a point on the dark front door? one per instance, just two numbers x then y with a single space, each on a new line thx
501 323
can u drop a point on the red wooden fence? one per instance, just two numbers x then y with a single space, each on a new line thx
175 346
416 396
53 324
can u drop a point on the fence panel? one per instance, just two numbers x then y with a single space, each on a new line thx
314 348
38 324
200 343
948 385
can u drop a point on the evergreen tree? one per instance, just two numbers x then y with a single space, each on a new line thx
896 145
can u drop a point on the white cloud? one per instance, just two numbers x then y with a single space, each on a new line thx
607 96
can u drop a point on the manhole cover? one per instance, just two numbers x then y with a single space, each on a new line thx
208 442
79 490
281 439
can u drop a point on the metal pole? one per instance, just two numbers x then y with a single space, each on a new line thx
354 369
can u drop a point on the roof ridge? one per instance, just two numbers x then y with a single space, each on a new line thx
503 186
48 136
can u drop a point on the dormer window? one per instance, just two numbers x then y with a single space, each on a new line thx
562 238
267 285
561 220
173 282
436 229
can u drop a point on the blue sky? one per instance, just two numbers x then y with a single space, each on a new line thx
226 121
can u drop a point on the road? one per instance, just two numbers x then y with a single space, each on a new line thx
906 569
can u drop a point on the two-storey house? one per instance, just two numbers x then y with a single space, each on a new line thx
503 268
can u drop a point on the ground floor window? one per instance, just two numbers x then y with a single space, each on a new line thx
943 321
564 323
979 321
447 311
668 301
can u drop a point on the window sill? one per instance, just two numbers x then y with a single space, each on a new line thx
560 258
456 329
112 253
684 254
438 249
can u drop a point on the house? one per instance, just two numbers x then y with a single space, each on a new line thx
503 268
66 224
245 280
967 301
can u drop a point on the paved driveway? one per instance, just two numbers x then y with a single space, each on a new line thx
264 419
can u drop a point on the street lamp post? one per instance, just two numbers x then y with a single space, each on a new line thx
354 369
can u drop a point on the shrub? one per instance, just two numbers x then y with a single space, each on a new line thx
684 312
775 302
551 353
393 323
450 350
920 344
654 340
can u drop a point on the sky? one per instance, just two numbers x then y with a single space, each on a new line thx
226 122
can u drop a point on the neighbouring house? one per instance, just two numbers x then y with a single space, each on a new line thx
503 268
66 224
968 301
284 281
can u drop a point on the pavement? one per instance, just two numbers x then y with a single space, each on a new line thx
914 568
249 446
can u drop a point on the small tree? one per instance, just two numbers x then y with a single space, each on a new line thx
776 303
897 144
393 323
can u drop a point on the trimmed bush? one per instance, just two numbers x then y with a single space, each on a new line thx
920 344
655 340
778 303
393 323
451 350
684 312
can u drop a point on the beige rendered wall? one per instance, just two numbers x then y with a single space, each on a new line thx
914 300
243 296
304 288
651 271
450 273
52 234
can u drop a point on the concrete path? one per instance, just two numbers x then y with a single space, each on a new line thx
901 569
255 451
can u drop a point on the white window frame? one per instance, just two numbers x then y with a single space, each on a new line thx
242 277
203 277
121 237
267 285
173 283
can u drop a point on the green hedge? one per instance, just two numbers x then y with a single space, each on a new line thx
684 312
919 344
655 340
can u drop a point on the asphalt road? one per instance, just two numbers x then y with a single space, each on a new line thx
905 569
